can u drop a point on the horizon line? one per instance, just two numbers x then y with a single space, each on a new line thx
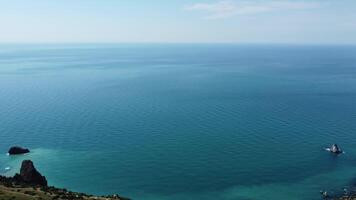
178 43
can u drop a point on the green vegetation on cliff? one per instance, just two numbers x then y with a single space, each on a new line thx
31 185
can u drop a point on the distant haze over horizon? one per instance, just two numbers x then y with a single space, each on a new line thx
179 21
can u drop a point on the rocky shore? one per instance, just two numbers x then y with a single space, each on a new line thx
350 197
349 194
31 185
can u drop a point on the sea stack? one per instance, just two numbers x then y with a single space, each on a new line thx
29 174
18 150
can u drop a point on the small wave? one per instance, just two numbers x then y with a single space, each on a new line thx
7 168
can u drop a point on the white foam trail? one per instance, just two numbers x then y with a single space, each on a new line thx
328 149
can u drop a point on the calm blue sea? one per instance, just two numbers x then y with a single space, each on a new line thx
173 122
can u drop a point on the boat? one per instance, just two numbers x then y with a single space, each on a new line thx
334 149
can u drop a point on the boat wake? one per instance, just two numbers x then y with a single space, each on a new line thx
329 150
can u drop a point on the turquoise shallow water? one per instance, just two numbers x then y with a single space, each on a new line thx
182 121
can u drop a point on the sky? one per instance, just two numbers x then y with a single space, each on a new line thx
178 21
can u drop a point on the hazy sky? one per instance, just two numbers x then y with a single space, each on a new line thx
246 21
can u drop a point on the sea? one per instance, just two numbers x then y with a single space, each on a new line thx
182 121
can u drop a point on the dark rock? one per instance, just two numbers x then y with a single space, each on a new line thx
18 150
29 174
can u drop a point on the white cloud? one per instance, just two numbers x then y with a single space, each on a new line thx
226 8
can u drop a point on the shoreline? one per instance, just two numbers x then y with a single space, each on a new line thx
31 185
10 188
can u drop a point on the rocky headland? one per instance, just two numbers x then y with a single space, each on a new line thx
29 184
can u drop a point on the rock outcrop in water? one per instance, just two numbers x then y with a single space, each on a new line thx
29 174
18 150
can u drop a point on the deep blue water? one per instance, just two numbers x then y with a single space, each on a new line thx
169 122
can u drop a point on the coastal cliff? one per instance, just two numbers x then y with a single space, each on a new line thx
31 185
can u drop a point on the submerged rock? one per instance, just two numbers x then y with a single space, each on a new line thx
18 150
29 174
